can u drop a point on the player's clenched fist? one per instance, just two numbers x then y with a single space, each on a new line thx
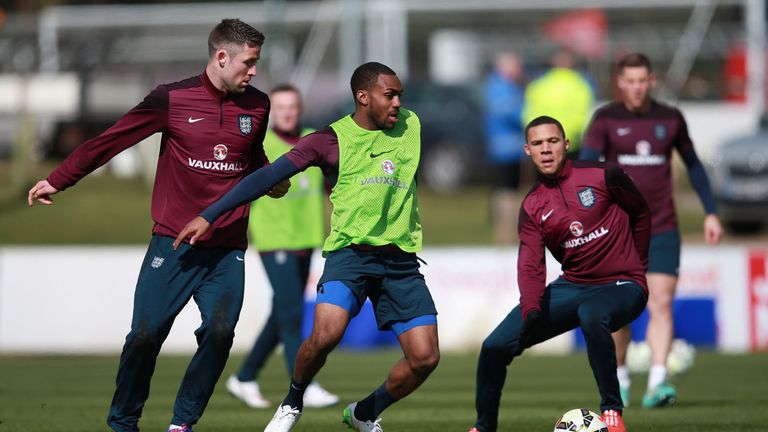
194 229
280 189
42 192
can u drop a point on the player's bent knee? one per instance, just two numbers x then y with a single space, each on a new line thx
223 334
218 332
594 319
143 342
424 363
493 348
324 340
142 337
660 304
595 326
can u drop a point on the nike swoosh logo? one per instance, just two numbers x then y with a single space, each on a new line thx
239 258
546 216
623 131
191 120
623 282
375 155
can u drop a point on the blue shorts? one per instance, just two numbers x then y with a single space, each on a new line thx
400 297
664 253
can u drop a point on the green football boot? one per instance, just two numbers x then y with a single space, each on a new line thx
624 396
662 395
349 419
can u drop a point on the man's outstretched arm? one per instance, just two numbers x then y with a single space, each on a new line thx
252 187
146 118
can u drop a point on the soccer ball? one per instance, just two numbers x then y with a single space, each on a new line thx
638 358
681 357
580 420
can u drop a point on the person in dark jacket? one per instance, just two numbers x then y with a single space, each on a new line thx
594 221
213 128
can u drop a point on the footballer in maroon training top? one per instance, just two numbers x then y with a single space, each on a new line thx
642 144
593 221
211 140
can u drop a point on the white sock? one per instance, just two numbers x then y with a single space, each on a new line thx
623 374
656 376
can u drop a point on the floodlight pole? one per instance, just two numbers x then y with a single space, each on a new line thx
755 17
48 41
387 34
350 40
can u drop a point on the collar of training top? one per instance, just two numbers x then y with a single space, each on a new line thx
210 87
564 174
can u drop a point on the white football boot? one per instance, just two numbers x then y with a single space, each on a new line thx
284 419
247 391
318 397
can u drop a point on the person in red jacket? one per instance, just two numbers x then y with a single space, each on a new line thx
213 127
595 222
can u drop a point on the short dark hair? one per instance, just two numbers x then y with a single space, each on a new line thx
284 87
366 75
635 60
235 32
542 120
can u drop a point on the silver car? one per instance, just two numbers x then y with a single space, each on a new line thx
740 182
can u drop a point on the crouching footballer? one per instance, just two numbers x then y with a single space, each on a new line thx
597 225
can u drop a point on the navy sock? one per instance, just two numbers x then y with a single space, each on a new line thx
295 398
376 402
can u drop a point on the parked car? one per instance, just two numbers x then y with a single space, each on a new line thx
740 182
452 136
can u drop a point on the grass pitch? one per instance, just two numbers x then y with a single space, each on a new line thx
68 394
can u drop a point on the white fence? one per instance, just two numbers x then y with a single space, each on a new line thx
79 299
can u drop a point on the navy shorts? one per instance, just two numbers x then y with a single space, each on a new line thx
392 281
664 253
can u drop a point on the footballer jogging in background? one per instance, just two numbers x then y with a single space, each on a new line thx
285 233
640 133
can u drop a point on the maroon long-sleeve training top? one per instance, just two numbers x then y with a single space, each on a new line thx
642 144
593 220
210 141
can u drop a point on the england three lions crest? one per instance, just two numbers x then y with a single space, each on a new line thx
587 197
157 262
246 123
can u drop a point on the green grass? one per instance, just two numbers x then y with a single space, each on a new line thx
459 218
100 209
721 393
